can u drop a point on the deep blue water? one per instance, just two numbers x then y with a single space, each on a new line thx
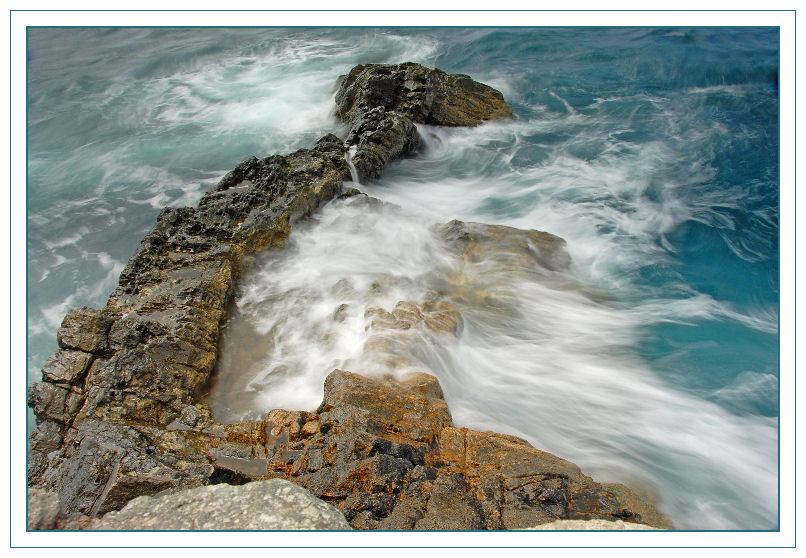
654 152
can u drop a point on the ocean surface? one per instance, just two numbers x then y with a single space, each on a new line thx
653 152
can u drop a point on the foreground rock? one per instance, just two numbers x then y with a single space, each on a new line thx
386 454
120 411
264 505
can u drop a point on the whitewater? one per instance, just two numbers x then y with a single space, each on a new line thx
652 360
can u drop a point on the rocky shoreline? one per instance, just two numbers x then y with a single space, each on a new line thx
121 414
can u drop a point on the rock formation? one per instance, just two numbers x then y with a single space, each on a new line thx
383 104
386 453
120 413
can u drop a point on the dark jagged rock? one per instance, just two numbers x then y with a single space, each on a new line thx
120 410
425 95
381 137
383 103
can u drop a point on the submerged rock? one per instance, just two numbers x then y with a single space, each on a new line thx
408 329
263 505
506 248
436 316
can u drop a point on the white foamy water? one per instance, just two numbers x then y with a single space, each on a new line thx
545 355
537 357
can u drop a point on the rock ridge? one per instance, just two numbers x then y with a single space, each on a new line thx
119 410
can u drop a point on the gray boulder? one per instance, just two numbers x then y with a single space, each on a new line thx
273 504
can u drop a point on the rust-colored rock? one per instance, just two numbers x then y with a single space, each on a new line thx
384 451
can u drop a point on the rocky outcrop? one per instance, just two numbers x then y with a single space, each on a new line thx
386 453
504 247
425 95
262 505
120 412
383 103
383 451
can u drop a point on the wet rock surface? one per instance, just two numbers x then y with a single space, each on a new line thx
380 137
425 95
120 411
508 248
384 102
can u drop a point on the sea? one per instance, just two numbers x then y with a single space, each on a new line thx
654 152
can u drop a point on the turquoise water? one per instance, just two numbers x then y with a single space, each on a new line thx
653 152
